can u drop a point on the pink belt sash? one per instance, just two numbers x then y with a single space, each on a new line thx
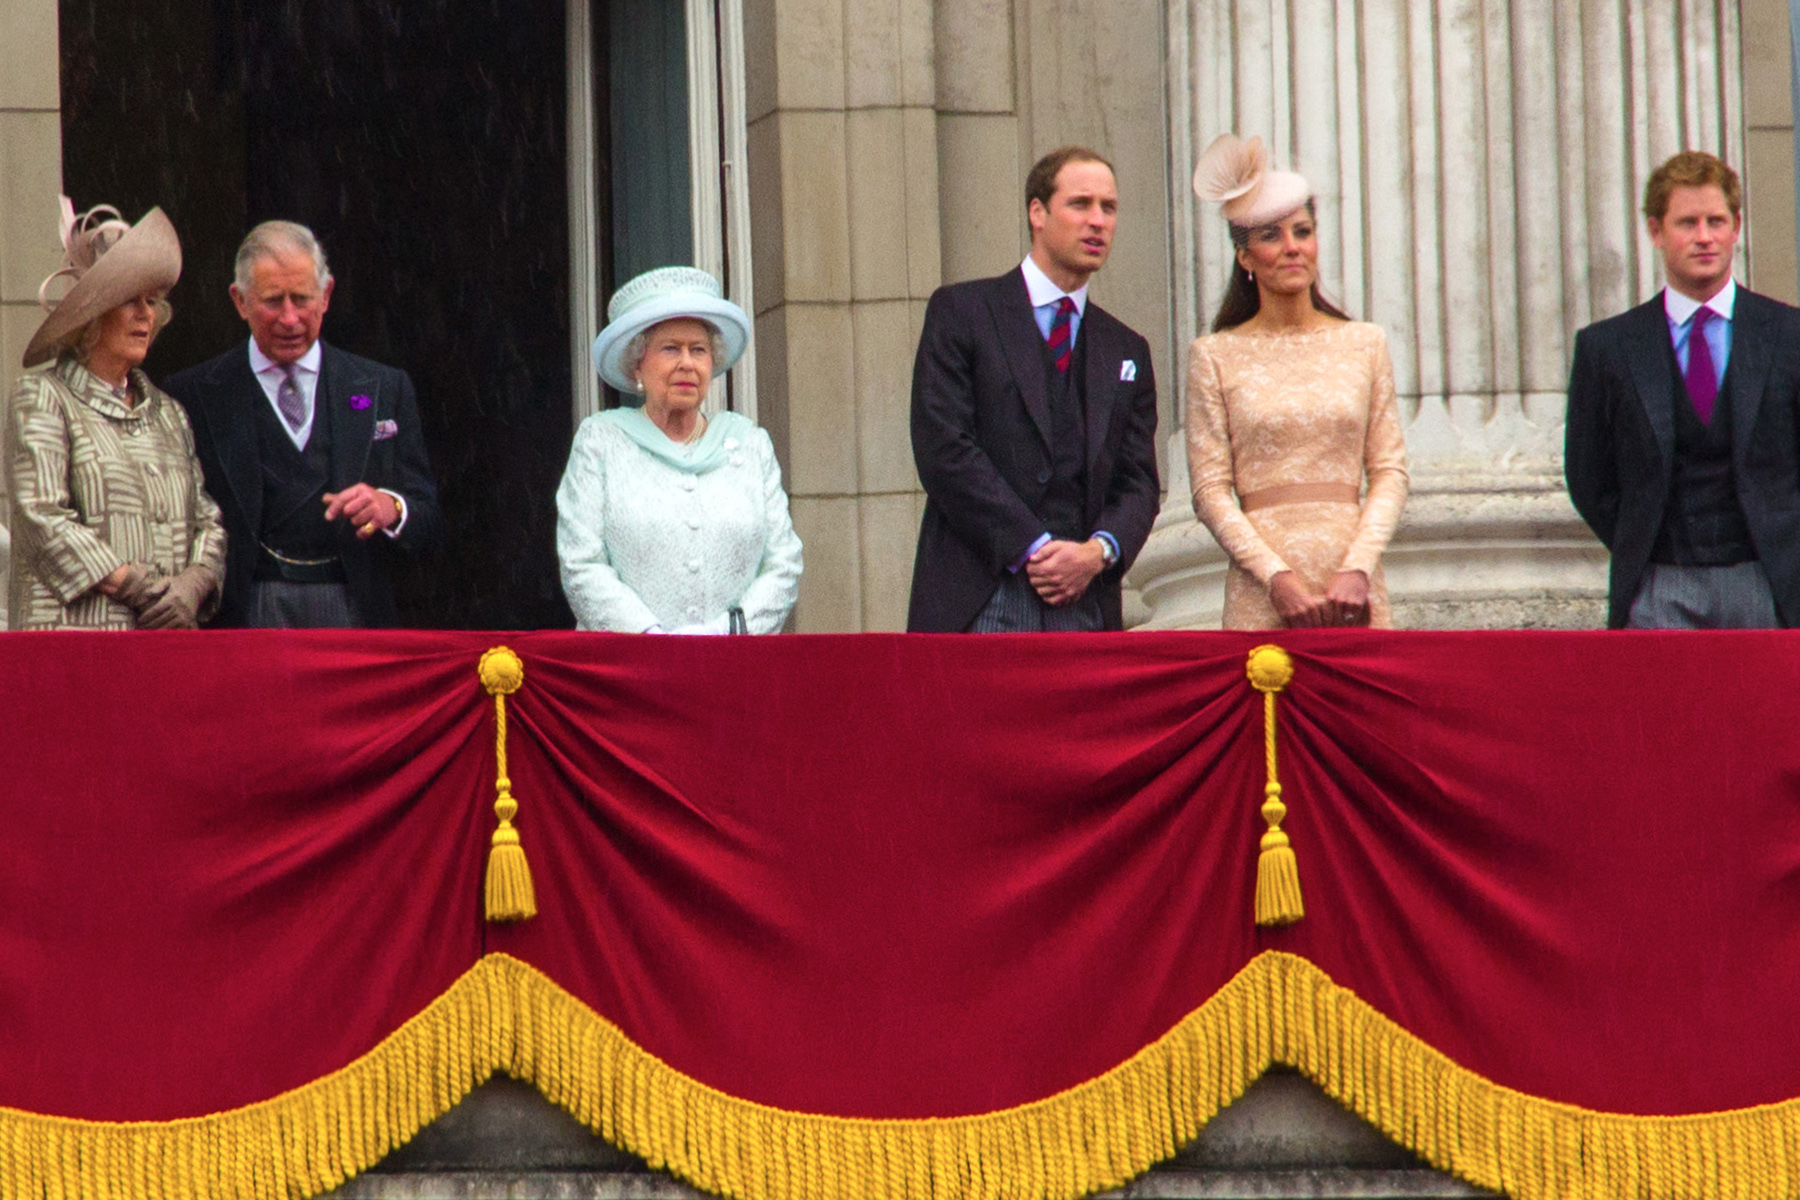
1300 493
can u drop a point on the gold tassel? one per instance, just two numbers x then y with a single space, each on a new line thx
1278 899
510 896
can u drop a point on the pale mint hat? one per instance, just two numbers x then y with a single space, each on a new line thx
664 295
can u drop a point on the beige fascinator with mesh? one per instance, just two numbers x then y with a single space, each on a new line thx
109 263
1235 174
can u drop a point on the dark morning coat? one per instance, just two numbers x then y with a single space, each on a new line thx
219 396
1620 439
981 440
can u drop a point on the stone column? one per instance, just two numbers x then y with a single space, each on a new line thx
1479 166
843 197
30 181
1769 147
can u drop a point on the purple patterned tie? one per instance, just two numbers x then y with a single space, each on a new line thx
290 399
1702 383
1060 345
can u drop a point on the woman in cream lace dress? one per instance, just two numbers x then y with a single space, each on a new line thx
1291 412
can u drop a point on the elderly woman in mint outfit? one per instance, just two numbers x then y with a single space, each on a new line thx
671 520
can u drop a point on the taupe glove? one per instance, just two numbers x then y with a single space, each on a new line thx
180 604
142 587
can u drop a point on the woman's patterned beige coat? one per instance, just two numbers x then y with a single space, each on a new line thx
96 485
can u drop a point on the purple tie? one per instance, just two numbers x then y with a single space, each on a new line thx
1702 384
290 399
1060 346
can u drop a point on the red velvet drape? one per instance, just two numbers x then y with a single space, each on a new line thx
896 876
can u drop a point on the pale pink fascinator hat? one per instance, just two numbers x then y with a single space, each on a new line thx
1235 174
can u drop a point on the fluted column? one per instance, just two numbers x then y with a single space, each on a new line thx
30 179
1478 166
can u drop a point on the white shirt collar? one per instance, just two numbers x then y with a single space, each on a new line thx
1681 309
308 362
1042 291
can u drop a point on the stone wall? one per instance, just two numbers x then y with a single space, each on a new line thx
1769 148
1283 1138
30 181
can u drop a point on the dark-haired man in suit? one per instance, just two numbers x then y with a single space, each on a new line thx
1033 428
314 455
1683 438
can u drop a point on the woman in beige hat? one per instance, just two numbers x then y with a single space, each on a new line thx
1294 444
668 520
111 528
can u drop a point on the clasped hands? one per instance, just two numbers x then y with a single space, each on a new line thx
1345 601
369 509
161 601
1060 571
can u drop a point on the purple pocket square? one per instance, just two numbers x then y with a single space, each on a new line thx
385 430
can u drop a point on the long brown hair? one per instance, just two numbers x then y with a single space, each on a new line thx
1242 298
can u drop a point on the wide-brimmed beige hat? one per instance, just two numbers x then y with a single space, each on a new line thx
110 262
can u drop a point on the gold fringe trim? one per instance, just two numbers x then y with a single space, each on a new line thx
506 1015
301 1143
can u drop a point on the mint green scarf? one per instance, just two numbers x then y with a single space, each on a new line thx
708 453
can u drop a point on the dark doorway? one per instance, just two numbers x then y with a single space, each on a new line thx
424 142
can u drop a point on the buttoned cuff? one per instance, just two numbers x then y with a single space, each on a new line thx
393 530
1112 542
1043 540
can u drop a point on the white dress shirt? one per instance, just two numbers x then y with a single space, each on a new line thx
1044 297
270 373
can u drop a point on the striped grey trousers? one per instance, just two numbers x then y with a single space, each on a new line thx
278 604
1734 597
1016 608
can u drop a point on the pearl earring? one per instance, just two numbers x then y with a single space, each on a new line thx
1249 274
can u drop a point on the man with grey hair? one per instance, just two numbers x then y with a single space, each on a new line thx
314 455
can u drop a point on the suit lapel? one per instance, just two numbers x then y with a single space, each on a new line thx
1747 369
229 397
1651 356
352 426
1101 383
1022 343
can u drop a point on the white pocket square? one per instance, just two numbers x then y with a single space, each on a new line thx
1128 370
385 430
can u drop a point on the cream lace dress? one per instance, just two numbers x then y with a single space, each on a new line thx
1310 407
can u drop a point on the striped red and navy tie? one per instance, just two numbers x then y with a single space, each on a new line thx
1061 348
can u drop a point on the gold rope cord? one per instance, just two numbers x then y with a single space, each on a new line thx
1278 900
506 1015
509 894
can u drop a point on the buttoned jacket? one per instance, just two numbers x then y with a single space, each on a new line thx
373 419
1619 442
981 436
97 484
